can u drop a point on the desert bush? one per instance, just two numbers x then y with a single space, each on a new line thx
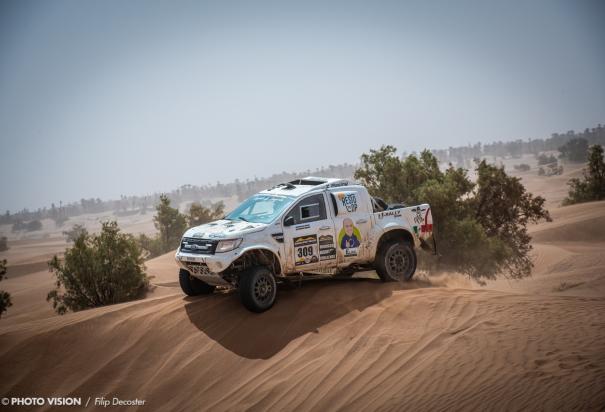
592 184
170 222
75 232
3 243
5 297
522 167
60 220
551 169
31 226
544 159
198 214
575 150
171 225
18 226
554 169
151 246
481 227
100 269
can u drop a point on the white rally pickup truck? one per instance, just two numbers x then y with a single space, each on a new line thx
308 228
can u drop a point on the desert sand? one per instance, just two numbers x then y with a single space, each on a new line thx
436 343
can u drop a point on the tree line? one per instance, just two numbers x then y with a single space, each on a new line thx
129 205
458 156
464 155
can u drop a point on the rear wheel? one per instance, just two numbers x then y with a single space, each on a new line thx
193 286
257 289
396 261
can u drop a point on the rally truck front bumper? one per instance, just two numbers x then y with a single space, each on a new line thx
205 268
200 259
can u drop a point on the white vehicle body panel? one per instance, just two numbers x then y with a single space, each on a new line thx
333 226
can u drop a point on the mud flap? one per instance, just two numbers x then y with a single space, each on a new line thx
429 244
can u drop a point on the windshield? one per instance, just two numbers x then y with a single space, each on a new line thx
260 208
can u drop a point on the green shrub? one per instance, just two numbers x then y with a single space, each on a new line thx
152 246
575 150
60 220
31 226
99 269
481 227
544 160
74 233
170 223
592 184
3 244
5 297
198 214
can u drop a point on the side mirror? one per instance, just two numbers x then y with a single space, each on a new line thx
289 221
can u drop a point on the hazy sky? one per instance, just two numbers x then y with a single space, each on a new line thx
102 98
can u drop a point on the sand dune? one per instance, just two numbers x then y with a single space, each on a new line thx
583 222
436 343
334 345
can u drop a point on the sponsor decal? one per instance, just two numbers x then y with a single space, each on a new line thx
348 200
426 227
323 271
349 237
305 250
389 213
303 227
418 219
327 249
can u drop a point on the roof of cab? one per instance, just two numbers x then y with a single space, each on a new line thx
308 184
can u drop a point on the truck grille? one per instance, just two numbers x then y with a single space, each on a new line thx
198 246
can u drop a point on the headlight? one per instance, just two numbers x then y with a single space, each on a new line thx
227 245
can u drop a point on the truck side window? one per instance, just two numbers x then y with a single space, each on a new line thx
309 209
334 204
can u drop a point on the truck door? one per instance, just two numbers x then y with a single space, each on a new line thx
352 225
309 236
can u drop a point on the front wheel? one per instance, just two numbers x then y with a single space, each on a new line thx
257 289
193 286
396 261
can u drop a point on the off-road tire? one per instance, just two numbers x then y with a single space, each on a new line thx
396 261
257 289
193 286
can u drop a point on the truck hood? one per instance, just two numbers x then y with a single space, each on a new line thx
223 229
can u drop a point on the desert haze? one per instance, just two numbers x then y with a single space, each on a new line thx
436 343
